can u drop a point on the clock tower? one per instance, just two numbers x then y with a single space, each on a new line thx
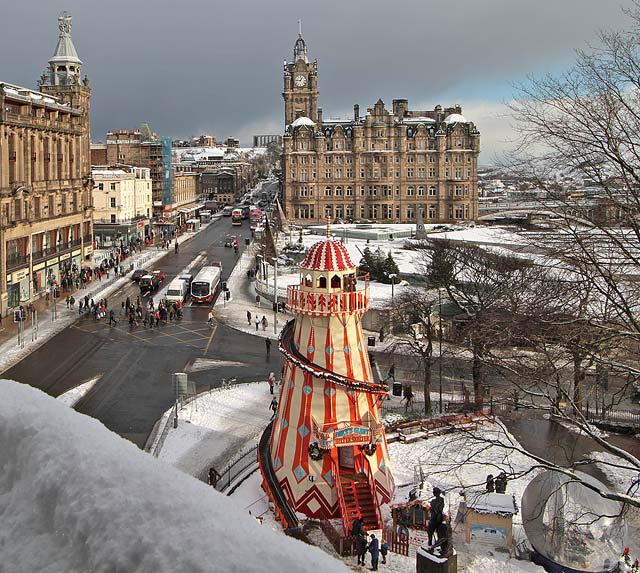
300 85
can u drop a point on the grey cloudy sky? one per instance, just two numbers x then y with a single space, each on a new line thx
195 66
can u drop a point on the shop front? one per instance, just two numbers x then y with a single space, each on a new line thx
18 288
39 279
114 234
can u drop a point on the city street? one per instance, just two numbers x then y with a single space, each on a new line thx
134 366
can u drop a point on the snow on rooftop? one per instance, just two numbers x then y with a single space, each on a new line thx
76 497
303 121
455 118
485 502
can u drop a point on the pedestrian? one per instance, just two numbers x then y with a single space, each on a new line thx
361 547
249 317
267 342
271 381
80 304
391 375
151 319
357 527
264 322
257 323
72 301
68 301
501 483
490 484
384 549
374 549
273 406
210 318
176 246
436 514
112 318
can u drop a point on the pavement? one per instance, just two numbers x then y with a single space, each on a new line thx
52 318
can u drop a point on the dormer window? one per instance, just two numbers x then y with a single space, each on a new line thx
335 281
322 281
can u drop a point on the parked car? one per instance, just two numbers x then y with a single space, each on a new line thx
138 274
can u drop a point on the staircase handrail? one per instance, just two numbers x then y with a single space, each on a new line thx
374 497
335 474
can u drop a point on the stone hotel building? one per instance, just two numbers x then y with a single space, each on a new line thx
45 177
384 166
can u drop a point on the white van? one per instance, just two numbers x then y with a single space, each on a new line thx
177 290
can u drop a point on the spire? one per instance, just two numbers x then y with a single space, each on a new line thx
64 66
300 48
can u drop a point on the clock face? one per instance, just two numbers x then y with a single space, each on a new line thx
300 81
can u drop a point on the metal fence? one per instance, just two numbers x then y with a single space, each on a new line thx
614 416
234 470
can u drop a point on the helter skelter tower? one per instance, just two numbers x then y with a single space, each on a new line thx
328 447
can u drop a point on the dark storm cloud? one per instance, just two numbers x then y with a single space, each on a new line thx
209 66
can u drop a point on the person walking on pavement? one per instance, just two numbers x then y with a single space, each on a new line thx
249 317
257 323
384 549
267 343
112 318
176 246
374 549
264 322
273 406
210 318
271 381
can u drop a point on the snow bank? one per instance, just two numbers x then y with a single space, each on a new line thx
76 497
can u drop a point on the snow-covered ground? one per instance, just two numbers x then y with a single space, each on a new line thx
76 497
216 426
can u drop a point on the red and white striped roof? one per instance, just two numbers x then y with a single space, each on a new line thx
328 256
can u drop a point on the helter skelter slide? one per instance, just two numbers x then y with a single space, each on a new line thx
325 452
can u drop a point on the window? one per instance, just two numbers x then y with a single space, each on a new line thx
112 186
349 191
411 191
112 202
432 191
327 191
420 191
101 186
113 218
410 172
432 171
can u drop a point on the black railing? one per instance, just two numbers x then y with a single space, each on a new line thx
246 461
16 260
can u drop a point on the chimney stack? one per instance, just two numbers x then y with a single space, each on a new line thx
320 115
356 112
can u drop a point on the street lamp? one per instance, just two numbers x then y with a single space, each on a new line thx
275 295
440 346
392 276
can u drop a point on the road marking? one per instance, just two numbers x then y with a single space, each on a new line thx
213 331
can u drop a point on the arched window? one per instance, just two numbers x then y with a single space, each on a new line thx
335 281
322 281
308 281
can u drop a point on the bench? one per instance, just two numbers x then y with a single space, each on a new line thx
413 437
393 437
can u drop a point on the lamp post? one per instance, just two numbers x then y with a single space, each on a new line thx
392 276
440 347
275 295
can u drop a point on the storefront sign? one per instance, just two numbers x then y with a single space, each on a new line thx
140 224
76 253
52 262
65 256
20 275
88 250
38 266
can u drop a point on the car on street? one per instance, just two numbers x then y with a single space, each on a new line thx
187 278
148 284
138 274
159 275
228 242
